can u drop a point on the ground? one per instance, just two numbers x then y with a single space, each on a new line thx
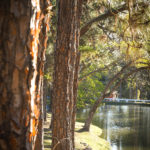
83 140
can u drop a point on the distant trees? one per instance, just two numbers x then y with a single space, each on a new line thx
89 90
23 38
137 86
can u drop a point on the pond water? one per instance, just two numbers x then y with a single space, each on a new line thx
125 127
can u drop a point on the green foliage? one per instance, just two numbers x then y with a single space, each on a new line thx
48 77
86 48
89 90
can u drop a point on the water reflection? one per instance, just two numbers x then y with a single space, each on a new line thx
125 127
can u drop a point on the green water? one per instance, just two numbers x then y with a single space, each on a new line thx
125 127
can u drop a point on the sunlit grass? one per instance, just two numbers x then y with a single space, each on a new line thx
47 133
92 138
82 139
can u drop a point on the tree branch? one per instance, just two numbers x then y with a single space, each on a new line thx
125 77
117 76
97 70
109 13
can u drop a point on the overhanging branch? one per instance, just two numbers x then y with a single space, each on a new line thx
125 77
109 13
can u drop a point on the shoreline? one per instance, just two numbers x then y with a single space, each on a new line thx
83 140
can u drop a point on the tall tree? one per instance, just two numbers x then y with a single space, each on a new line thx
22 23
65 74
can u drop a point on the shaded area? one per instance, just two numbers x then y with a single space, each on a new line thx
47 134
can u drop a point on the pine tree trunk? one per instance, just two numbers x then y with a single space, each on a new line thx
75 88
21 72
65 74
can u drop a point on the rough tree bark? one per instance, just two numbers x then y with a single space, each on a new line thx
65 74
21 65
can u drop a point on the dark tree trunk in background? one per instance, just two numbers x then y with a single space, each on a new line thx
45 99
65 74
120 91
130 92
21 67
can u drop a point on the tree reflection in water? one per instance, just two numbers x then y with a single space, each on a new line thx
126 127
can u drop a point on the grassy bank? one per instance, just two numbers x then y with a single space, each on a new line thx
83 140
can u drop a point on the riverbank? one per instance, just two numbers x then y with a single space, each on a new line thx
83 140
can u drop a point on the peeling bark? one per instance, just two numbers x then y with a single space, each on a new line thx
21 72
